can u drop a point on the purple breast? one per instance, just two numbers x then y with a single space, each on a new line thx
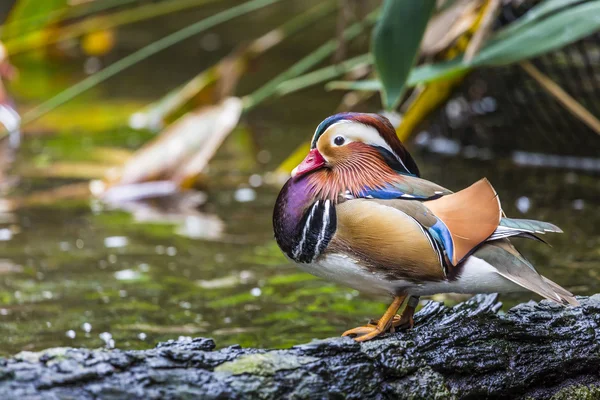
303 226
291 205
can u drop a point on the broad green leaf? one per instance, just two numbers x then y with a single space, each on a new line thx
433 72
395 43
552 33
532 40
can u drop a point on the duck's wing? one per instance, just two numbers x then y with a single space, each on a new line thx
456 224
510 264
406 187
386 240
460 222
466 218
470 217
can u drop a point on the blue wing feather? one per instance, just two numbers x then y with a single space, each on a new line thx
408 187
441 233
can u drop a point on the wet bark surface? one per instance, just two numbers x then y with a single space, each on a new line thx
534 350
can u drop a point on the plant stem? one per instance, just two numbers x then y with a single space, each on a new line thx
564 98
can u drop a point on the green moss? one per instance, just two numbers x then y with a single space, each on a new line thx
579 392
424 384
266 364
290 279
34 357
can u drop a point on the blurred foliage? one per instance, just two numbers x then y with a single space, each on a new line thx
29 16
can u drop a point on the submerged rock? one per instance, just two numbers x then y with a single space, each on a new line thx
535 350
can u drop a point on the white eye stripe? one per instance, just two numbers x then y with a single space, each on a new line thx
354 131
360 132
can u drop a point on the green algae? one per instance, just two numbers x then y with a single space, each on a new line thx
264 364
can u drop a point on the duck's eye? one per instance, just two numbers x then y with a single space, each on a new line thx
339 141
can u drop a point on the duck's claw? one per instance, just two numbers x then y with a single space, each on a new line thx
397 321
390 321
360 331
404 322
371 331
367 332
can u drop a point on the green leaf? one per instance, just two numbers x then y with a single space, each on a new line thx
552 33
535 14
362 86
433 72
307 62
532 40
395 43
323 74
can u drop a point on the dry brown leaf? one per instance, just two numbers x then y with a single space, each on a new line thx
219 125
185 147
447 26
485 27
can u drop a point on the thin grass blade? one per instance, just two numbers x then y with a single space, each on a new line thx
155 113
303 65
142 54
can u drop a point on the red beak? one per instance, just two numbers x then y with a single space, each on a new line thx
313 160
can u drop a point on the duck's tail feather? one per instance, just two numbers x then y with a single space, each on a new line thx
527 228
566 296
511 264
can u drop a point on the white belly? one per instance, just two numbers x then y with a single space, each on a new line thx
477 276
343 269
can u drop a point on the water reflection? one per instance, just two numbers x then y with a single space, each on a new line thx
74 273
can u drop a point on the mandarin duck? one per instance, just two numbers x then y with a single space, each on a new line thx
356 212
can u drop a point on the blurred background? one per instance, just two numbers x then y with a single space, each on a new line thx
143 144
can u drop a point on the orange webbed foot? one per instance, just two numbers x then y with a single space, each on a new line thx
390 322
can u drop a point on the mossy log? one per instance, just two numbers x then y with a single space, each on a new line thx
535 350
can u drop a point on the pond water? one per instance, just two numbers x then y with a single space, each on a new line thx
80 273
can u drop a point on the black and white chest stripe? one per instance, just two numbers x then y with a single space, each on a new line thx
314 232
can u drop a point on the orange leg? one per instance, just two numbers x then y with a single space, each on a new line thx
368 332
406 321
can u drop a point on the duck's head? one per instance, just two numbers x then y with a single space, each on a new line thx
349 143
